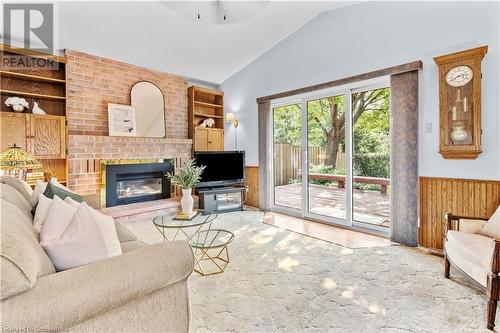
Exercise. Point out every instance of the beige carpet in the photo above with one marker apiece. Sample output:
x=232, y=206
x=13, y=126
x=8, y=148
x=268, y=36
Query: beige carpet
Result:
x=281, y=281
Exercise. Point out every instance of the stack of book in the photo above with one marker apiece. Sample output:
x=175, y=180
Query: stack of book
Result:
x=183, y=216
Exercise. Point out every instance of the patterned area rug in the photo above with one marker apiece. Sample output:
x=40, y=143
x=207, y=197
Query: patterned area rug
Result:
x=281, y=281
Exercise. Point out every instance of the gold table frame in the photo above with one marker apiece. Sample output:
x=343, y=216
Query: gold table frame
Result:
x=206, y=252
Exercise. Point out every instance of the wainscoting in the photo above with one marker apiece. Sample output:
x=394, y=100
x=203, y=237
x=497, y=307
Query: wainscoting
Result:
x=252, y=182
x=466, y=197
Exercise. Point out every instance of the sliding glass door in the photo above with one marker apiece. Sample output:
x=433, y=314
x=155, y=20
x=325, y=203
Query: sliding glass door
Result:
x=287, y=159
x=331, y=157
x=326, y=191
x=371, y=157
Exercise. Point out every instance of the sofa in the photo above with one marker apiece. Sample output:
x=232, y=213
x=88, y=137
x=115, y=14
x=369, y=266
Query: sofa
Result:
x=143, y=290
x=475, y=255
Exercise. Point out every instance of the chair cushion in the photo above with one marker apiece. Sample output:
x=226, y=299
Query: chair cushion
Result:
x=476, y=248
x=492, y=227
x=21, y=257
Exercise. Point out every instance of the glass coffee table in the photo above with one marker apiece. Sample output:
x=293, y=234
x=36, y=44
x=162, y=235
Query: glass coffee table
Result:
x=210, y=250
x=183, y=228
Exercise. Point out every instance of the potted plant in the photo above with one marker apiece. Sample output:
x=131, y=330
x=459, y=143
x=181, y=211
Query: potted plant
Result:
x=188, y=176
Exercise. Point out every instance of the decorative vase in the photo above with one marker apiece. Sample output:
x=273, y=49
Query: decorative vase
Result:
x=187, y=201
x=458, y=135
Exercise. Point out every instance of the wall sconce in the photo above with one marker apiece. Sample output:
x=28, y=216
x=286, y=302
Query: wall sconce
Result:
x=231, y=119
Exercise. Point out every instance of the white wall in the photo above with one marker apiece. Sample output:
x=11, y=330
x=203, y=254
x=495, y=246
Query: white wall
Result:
x=375, y=35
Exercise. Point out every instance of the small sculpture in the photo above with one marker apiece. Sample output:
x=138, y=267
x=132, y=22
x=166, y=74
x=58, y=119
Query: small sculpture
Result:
x=36, y=109
x=210, y=122
x=18, y=104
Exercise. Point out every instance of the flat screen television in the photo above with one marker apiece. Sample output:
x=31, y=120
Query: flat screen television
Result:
x=222, y=168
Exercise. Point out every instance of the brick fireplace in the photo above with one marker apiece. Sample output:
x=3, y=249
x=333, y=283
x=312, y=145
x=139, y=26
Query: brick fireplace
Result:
x=92, y=83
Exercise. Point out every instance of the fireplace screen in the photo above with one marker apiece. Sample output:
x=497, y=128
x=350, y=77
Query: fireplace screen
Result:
x=130, y=188
x=132, y=183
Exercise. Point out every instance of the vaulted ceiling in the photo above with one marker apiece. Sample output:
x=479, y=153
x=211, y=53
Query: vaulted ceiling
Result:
x=152, y=35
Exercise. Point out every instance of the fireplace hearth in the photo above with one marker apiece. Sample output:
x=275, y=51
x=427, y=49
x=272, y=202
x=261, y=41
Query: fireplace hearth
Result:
x=132, y=183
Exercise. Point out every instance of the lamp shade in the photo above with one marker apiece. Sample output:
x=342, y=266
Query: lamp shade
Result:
x=229, y=116
x=16, y=158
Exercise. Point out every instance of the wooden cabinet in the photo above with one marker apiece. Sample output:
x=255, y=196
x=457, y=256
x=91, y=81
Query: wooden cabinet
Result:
x=48, y=136
x=13, y=130
x=43, y=136
x=206, y=104
x=208, y=139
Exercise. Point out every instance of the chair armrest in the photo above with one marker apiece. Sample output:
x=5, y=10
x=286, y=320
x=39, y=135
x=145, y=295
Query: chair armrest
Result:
x=67, y=298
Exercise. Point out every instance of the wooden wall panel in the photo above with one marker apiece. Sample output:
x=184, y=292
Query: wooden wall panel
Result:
x=467, y=197
x=252, y=183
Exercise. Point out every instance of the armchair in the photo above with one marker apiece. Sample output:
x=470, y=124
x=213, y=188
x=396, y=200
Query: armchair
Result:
x=475, y=255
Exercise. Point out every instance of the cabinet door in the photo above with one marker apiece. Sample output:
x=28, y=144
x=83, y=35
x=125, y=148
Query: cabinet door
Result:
x=200, y=139
x=12, y=130
x=48, y=137
x=215, y=140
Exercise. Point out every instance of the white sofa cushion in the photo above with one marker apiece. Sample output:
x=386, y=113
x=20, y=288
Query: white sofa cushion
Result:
x=492, y=227
x=20, y=185
x=12, y=195
x=79, y=243
x=22, y=259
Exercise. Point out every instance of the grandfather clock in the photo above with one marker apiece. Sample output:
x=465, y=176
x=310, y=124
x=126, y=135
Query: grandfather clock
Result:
x=460, y=103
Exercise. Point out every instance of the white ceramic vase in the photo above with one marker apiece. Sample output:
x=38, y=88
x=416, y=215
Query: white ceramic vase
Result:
x=187, y=201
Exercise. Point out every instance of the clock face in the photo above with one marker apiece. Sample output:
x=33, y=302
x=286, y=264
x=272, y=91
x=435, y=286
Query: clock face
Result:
x=459, y=76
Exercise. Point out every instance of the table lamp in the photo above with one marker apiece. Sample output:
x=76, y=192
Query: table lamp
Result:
x=17, y=160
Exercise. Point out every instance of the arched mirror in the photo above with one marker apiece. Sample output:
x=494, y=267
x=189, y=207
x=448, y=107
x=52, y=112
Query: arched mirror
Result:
x=148, y=101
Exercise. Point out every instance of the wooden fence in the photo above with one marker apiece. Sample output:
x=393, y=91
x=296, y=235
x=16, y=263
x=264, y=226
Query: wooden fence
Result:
x=288, y=161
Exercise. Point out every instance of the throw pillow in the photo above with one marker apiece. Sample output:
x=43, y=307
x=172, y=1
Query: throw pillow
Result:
x=80, y=242
x=107, y=228
x=492, y=227
x=37, y=191
x=42, y=209
x=53, y=190
x=57, y=220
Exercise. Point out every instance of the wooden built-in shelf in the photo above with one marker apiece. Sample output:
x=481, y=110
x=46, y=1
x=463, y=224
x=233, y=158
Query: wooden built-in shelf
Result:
x=29, y=94
x=43, y=136
x=208, y=105
x=199, y=114
x=205, y=103
x=30, y=77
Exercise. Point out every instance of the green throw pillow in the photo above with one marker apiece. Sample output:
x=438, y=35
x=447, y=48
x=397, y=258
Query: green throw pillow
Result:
x=53, y=190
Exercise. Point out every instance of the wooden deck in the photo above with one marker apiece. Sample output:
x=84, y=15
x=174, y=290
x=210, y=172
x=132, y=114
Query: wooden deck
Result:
x=370, y=207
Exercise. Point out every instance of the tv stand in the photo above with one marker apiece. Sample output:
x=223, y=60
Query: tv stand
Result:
x=221, y=199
